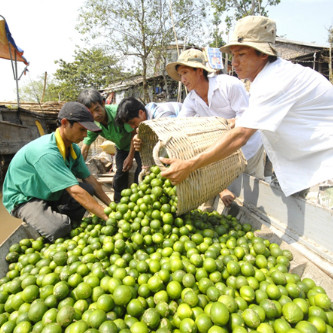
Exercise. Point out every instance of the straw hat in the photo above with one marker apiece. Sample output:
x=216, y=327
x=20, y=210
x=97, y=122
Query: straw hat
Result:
x=192, y=58
x=254, y=31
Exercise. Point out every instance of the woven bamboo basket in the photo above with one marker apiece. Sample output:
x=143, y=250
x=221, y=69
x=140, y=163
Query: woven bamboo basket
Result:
x=184, y=138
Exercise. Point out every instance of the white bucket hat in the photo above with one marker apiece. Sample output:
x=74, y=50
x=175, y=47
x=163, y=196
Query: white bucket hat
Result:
x=258, y=32
x=192, y=58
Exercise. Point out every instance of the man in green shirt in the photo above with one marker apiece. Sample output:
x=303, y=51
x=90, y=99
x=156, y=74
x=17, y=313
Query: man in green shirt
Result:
x=41, y=185
x=104, y=116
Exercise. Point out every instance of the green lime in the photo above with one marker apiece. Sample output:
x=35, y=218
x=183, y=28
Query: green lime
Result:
x=22, y=327
x=247, y=293
x=79, y=326
x=323, y=301
x=37, y=310
x=30, y=293
x=61, y=290
x=265, y=328
x=122, y=295
x=251, y=318
x=135, y=308
x=50, y=316
x=203, y=323
x=292, y=313
x=108, y=326
x=280, y=325
x=219, y=313
x=273, y=291
x=52, y=328
x=96, y=318
x=270, y=309
x=190, y=298
x=188, y=325
x=319, y=323
x=306, y=327
x=139, y=327
x=151, y=318
x=65, y=315
x=184, y=311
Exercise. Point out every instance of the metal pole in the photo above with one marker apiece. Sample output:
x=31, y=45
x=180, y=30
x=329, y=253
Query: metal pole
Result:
x=17, y=85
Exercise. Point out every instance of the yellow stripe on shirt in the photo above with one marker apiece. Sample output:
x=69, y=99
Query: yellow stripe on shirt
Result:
x=61, y=146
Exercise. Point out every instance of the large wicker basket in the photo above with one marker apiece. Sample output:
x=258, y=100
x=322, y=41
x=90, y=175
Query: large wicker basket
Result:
x=184, y=138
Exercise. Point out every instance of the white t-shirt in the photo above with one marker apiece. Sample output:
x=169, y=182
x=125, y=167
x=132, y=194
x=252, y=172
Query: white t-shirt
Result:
x=167, y=109
x=227, y=98
x=292, y=106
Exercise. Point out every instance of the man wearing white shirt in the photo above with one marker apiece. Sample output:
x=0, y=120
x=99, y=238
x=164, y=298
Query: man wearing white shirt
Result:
x=220, y=96
x=291, y=105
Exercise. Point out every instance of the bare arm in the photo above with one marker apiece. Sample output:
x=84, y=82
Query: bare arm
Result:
x=84, y=151
x=86, y=201
x=100, y=194
x=179, y=170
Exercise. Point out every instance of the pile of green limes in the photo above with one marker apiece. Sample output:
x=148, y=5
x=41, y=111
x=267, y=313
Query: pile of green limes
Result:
x=147, y=270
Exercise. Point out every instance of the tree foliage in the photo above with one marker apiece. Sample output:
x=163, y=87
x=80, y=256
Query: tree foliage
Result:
x=90, y=68
x=237, y=9
x=140, y=28
x=34, y=91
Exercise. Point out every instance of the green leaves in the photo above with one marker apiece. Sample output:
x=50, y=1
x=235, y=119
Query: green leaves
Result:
x=142, y=29
x=90, y=68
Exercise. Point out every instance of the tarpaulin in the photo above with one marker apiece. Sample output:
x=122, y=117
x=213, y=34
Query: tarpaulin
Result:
x=8, y=48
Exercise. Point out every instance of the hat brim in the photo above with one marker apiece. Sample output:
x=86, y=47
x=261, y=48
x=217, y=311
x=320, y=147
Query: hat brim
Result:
x=172, y=72
x=266, y=48
x=90, y=126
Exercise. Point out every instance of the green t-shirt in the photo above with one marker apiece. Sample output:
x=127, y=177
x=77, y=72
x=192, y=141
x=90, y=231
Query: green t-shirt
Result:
x=38, y=170
x=120, y=135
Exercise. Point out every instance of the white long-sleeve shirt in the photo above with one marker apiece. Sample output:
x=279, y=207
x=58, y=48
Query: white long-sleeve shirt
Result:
x=292, y=106
x=227, y=98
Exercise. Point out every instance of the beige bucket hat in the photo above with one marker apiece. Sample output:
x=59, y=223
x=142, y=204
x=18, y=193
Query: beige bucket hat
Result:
x=258, y=32
x=192, y=58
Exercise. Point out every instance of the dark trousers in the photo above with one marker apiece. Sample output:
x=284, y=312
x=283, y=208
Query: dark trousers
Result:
x=120, y=179
x=69, y=206
x=53, y=219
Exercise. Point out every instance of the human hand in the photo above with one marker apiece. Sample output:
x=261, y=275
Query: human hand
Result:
x=231, y=122
x=178, y=170
x=137, y=142
x=128, y=162
x=227, y=197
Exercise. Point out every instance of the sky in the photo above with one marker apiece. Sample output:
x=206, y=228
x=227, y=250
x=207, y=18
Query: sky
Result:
x=45, y=30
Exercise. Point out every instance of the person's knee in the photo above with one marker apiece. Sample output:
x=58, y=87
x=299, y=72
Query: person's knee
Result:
x=47, y=222
x=60, y=230
x=52, y=231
